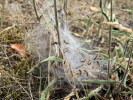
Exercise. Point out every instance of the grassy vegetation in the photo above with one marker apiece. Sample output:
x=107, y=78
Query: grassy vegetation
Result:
x=107, y=25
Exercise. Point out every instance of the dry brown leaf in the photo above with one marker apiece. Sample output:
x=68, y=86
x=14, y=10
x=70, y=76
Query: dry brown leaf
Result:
x=19, y=48
x=94, y=9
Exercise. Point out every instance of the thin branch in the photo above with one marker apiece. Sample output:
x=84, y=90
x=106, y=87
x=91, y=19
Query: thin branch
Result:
x=57, y=26
x=34, y=5
x=56, y=20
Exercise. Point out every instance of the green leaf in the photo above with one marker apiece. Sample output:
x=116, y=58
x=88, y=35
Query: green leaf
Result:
x=103, y=60
x=56, y=27
x=89, y=21
x=118, y=40
x=104, y=54
x=117, y=32
x=126, y=10
x=45, y=92
x=129, y=92
x=42, y=62
x=88, y=41
x=125, y=80
x=121, y=50
x=101, y=81
x=92, y=93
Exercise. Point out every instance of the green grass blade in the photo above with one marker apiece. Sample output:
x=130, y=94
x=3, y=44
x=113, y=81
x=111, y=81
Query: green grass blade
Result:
x=118, y=40
x=125, y=80
x=104, y=54
x=101, y=81
x=126, y=10
x=92, y=93
x=129, y=92
x=45, y=92
x=103, y=60
x=120, y=33
x=42, y=62
x=89, y=21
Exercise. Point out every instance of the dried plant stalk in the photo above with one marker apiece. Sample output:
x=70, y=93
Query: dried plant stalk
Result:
x=119, y=26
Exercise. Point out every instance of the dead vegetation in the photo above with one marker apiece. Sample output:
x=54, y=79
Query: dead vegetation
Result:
x=86, y=21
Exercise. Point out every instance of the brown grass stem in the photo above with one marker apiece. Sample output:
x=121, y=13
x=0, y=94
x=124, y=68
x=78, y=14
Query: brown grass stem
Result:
x=35, y=9
x=57, y=26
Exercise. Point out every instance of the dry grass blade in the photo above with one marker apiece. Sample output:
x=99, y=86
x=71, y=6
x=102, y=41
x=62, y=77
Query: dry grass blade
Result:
x=94, y=9
x=101, y=81
x=8, y=28
x=49, y=67
x=119, y=26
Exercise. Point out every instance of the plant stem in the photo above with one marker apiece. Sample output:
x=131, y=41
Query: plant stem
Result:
x=132, y=13
x=57, y=26
x=34, y=5
x=109, y=51
x=49, y=65
x=101, y=19
x=2, y=15
x=110, y=40
x=40, y=87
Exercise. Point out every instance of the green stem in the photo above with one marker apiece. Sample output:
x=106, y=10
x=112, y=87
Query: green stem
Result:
x=109, y=51
x=110, y=40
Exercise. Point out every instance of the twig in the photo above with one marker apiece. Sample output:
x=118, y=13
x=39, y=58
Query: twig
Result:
x=8, y=28
x=56, y=20
x=57, y=26
x=34, y=5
